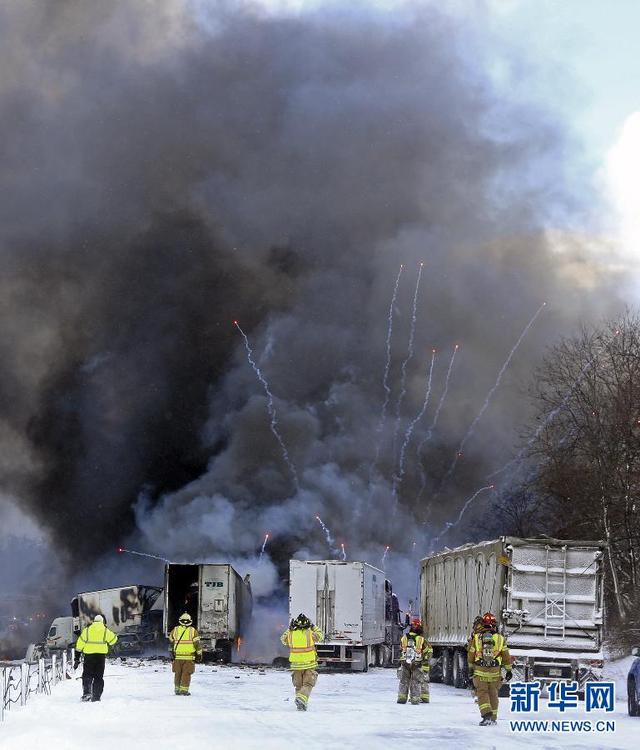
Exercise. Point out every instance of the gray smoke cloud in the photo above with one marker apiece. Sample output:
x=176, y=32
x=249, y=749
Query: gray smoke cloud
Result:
x=169, y=168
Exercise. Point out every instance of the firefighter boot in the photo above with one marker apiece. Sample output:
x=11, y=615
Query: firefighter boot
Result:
x=487, y=720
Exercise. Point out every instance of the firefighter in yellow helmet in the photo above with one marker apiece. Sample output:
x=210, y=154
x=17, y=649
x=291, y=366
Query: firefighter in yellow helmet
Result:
x=414, y=665
x=487, y=655
x=301, y=638
x=185, y=650
x=94, y=642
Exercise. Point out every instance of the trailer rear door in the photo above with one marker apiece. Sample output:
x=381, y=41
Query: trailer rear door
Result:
x=553, y=597
x=214, y=600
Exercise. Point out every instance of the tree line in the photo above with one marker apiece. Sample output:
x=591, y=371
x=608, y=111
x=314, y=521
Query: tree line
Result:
x=577, y=475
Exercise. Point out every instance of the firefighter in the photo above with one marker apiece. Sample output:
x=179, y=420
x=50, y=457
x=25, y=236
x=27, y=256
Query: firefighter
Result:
x=414, y=665
x=94, y=642
x=301, y=638
x=185, y=650
x=487, y=656
x=475, y=628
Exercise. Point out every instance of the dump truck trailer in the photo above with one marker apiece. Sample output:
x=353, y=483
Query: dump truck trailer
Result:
x=547, y=595
x=354, y=606
x=218, y=600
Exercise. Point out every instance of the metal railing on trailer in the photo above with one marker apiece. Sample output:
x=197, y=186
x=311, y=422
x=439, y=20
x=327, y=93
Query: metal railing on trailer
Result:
x=18, y=682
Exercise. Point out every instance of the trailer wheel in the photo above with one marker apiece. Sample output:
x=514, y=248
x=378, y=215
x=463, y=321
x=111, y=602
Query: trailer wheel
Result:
x=386, y=656
x=447, y=666
x=460, y=674
x=360, y=661
x=226, y=652
x=435, y=673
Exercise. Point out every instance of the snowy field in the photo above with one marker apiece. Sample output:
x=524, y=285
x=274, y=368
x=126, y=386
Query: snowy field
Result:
x=244, y=707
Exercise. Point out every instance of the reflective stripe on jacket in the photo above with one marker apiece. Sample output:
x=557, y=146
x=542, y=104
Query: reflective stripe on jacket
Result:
x=422, y=648
x=96, y=639
x=302, y=647
x=185, y=642
x=500, y=653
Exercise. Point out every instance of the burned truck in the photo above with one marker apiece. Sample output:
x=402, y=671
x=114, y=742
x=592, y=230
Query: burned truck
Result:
x=217, y=598
x=134, y=611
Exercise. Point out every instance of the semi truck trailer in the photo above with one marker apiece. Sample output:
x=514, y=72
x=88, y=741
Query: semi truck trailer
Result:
x=547, y=595
x=354, y=606
x=217, y=598
x=134, y=609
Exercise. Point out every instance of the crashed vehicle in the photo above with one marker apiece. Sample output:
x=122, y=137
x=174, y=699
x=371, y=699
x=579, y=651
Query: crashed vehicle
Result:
x=633, y=684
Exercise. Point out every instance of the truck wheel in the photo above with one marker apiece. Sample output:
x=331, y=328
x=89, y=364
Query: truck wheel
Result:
x=361, y=662
x=226, y=652
x=447, y=666
x=387, y=656
x=460, y=674
x=435, y=673
x=632, y=695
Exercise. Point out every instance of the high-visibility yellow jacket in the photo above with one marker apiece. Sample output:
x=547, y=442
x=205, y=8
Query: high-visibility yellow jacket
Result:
x=185, y=642
x=96, y=639
x=422, y=648
x=302, y=647
x=488, y=669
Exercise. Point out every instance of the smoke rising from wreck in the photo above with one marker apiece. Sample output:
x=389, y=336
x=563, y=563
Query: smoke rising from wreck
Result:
x=168, y=172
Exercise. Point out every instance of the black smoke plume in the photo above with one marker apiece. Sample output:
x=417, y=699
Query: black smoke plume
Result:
x=168, y=168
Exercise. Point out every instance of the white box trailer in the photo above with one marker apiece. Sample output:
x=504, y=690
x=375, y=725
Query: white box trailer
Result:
x=218, y=600
x=354, y=606
x=547, y=595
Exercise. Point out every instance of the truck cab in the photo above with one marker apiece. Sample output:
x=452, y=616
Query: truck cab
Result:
x=62, y=633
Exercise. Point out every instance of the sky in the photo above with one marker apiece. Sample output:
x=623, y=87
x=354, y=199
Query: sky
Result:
x=587, y=68
x=593, y=46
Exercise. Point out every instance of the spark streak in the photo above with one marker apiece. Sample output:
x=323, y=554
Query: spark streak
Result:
x=452, y=524
x=385, y=377
x=549, y=418
x=344, y=553
x=384, y=555
x=270, y=408
x=418, y=417
x=493, y=389
x=264, y=544
x=122, y=550
x=432, y=426
x=405, y=362
x=327, y=533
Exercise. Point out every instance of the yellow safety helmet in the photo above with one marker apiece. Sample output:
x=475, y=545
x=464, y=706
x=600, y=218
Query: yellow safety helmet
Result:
x=185, y=619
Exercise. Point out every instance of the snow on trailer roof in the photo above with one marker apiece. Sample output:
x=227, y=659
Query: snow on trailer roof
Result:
x=518, y=542
x=338, y=562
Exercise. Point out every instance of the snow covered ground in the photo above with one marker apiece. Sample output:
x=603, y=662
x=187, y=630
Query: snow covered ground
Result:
x=245, y=708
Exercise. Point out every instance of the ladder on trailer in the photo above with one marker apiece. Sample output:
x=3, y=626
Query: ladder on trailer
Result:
x=555, y=593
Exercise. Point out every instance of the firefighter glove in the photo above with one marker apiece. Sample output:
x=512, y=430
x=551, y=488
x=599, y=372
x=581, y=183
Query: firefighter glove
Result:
x=508, y=675
x=199, y=658
x=76, y=661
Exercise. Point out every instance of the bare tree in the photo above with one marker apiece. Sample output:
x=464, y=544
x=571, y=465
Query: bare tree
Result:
x=586, y=445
